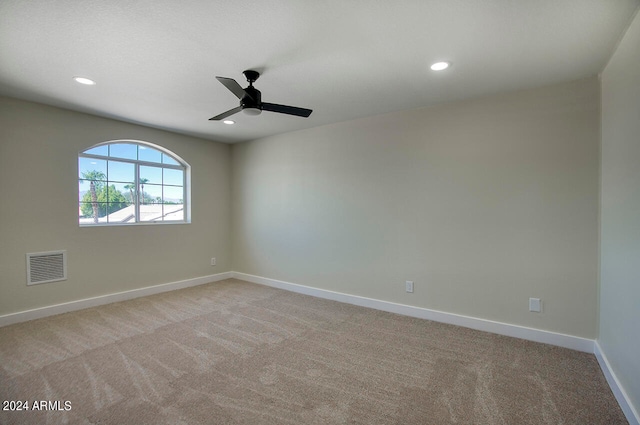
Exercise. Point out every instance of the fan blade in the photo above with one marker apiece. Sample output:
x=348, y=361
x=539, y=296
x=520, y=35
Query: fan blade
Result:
x=233, y=86
x=284, y=109
x=226, y=114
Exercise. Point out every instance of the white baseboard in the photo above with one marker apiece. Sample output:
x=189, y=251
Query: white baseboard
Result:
x=37, y=313
x=537, y=335
x=618, y=391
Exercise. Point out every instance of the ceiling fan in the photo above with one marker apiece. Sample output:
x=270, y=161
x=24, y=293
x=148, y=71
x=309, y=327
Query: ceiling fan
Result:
x=251, y=100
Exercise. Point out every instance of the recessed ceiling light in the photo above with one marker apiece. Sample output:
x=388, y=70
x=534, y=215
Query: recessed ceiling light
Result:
x=229, y=122
x=439, y=66
x=83, y=80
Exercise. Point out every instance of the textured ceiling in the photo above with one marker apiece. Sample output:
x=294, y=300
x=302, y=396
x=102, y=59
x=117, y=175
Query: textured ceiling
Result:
x=155, y=61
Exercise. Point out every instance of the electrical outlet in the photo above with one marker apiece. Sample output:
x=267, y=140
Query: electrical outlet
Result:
x=408, y=285
x=535, y=305
x=213, y=261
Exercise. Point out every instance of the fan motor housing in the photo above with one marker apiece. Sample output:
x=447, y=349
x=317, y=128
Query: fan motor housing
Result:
x=253, y=98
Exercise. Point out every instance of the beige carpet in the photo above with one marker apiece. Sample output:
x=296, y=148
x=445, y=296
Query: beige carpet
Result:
x=237, y=353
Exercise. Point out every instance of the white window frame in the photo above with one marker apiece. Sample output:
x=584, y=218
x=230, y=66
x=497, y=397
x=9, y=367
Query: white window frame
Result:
x=182, y=165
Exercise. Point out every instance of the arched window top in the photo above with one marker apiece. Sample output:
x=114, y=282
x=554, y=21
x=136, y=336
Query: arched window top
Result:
x=132, y=182
x=135, y=150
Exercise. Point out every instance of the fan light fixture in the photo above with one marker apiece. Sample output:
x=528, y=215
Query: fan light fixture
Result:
x=439, y=66
x=85, y=81
x=229, y=122
x=252, y=111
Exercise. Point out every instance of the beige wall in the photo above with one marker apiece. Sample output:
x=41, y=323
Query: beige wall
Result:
x=482, y=203
x=619, y=337
x=38, y=212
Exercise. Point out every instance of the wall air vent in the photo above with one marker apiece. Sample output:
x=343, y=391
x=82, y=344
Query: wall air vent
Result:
x=45, y=267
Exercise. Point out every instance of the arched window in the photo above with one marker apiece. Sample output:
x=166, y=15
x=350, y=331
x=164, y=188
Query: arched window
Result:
x=132, y=182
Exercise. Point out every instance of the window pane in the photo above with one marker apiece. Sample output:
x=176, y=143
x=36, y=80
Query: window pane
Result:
x=84, y=194
x=85, y=212
x=124, y=192
x=166, y=159
x=173, y=177
x=173, y=194
x=85, y=190
x=128, y=190
x=150, y=175
x=148, y=154
x=173, y=212
x=99, y=150
x=89, y=168
x=152, y=194
x=120, y=213
x=121, y=171
x=151, y=212
x=114, y=207
x=123, y=216
x=123, y=150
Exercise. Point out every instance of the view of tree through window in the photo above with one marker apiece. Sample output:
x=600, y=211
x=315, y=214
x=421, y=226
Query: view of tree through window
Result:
x=127, y=182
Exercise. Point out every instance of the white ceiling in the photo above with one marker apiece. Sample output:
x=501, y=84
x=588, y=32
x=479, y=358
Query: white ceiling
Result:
x=155, y=61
